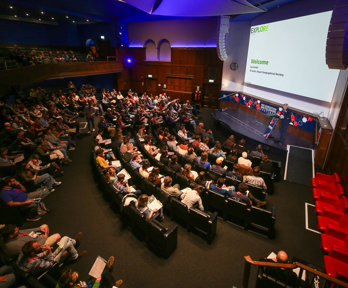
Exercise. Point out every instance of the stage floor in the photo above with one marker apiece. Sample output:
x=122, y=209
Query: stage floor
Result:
x=253, y=128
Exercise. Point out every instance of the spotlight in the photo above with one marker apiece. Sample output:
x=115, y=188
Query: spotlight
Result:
x=87, y=20
x=67, y=17
x=102, y=37
x=39, y=19
x=73, y=21
x=11, y=7
x=129, y=60
x=42, y=12
x=26, y=14
x=52, y=18
x=15, y=16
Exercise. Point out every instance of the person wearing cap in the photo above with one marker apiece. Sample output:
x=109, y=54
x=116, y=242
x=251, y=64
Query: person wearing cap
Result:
x=218, y=166
x=244, y=160
x=285, y=117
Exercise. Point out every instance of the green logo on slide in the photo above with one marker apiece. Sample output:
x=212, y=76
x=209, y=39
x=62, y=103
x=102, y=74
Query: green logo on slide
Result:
x=262, y=28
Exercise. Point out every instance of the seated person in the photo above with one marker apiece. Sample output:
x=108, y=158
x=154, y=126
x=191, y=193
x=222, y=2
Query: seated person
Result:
x=151, y=149
x=204, y=145
x=187, y=173
x=230, y=143
x=203, y=160
x=7, y=277
x=35, y=259
x=182, y=133
x=14, y=194
x=154, y=177
x=217, y=151
x=243, y=195
x=15, y=238
x=218, y=166
x=235, y=174
x=122, y=186
x=142, y=206
x=126, y=146
x=100, y=138
x=191, y=155
x=109, y=155
x=135, y=161
x=287, y=276
x=256, y=180
x=144, y=169
x=192, y=197
x=172, y=190
x=171, y=143
x=174, y=165
x=164, y=156
x=101, y=160
x=221, y=188
x=111, y=175
x=241, y=146
x=103, y=125
x=266, y=165
x=199, y=128
x=201, y=179
x=258, y=153
x=244, y=160
x=196, y=142
x=183, y=147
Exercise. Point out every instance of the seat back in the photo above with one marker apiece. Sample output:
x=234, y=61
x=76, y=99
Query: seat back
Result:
x=216, y=202
x=342, y=204
x=203, y=222
x=179, y=210
x=343, y=221
x=267, y=177
x=257, y=192
x=237, y=212
x=262, y=220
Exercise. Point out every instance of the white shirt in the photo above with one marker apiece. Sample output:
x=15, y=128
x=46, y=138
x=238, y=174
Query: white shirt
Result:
x=191, y=197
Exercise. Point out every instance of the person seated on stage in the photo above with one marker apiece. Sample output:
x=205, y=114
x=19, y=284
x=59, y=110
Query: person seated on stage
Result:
x=174, y=165
x=256, y=179
x=204, y=145
x=221, y=188
x=187, y=173
x=287, y=276
x=196, y=142
x=258, y=153
x=183, y=148
x=191, y=155
x=142, y=206
x=171, y=143
x=35, y=259
x=217, y=151
x=218, y=166
x=243, y=160
x=69, y=278
x=230, y=143
x=203, y=160
x=143, y=170
x=154, y=177
x=182, y=133
x=191, y=197
x=172, y=190
x=235, y=174
x=135, y=161
x=14, y=238
x=241, y=146
x=111, y=175
x=266, y=165
x=244, y=195
x=200, y=129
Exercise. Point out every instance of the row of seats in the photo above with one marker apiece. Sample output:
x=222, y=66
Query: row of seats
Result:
x=331, y=206
x=161, y=240
x=258, y=219
x=192, y=218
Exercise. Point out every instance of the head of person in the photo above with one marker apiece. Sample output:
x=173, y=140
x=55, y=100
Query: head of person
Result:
x=256, y=171
x=242, y=188
x=121, y=177
x=187, y=167
x=100, y=152
x=282, y=257
x=198, y=188
x=31, y=248
x=245, y=155
x=68, y=279
x=112, y=171
x=236, y=168
x=206, y=140
x=265, y=158
x=201, y=124
x=285, y=106
x=142, y=200
x=242, y=142
x=167, y=181
x=155, y=171
x=220, y=182
x=10, y=231
x=219, y=161
x=146, y=164
x=231, y=138
x=204, y=157
x=259, y=148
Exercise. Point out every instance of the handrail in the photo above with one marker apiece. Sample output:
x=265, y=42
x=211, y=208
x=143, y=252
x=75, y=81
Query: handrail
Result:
x=249, y=261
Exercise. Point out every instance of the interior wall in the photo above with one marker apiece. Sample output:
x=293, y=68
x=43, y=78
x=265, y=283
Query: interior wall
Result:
x=17, y=32
x=194, y=32
x=237, y=46
x=94, y=31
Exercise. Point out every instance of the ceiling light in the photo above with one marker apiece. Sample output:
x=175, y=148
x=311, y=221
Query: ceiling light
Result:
x=87, y=20
x=42, y=12
x=120, y=33
x=15, y=16
x=67, y=17
x=11, y=7
x=26, y=14
x=73, y=21
x=52, y=18
x=39, y=19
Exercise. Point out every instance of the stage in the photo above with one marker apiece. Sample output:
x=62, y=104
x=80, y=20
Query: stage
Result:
x=253, y=128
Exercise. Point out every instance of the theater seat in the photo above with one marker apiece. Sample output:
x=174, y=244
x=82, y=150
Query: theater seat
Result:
x=334, y=236
x=327, y=178
x=336, y=268
x=336, y=191
x=339, y=204
x=329, y=217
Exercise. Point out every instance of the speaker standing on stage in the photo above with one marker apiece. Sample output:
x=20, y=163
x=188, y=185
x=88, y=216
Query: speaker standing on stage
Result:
x=285, y=117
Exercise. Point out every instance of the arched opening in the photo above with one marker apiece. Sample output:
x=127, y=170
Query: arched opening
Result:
x=164, y=50
x=150, y=50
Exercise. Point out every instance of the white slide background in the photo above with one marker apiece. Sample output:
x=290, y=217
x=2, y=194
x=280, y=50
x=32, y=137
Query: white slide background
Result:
x=296, y=49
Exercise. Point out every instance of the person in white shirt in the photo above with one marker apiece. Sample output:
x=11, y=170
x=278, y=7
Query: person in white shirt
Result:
x=244, y=161
x=191, y=197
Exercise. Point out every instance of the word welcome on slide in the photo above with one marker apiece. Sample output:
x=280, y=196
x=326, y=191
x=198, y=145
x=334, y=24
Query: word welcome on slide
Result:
x=256, y=61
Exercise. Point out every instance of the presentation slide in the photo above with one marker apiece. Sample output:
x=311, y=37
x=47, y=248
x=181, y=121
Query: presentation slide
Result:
x=289, y=56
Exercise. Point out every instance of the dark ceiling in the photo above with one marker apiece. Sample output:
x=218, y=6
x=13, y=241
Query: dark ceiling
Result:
x=94, y=11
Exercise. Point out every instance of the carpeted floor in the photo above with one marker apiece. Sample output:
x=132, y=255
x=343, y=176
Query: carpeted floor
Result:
x=78, y=205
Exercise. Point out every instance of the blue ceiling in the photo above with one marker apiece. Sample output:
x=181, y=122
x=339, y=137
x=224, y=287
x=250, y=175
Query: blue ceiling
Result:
x=93, y=11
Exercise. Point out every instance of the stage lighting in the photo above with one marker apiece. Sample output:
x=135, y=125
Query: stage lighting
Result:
x=129, y=60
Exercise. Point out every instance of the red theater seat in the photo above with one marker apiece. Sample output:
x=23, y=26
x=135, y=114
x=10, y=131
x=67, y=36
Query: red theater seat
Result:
x=331, y=217
x=339, y=204
x=334, y=266
x=335, y=191
x=334, y=236
x=327, y=178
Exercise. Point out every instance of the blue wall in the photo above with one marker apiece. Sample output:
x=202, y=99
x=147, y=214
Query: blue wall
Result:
x=94, y=31
x=41, y=34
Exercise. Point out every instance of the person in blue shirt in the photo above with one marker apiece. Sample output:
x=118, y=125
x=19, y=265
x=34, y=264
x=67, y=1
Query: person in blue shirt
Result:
x=221, y=188
x=203, y=160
